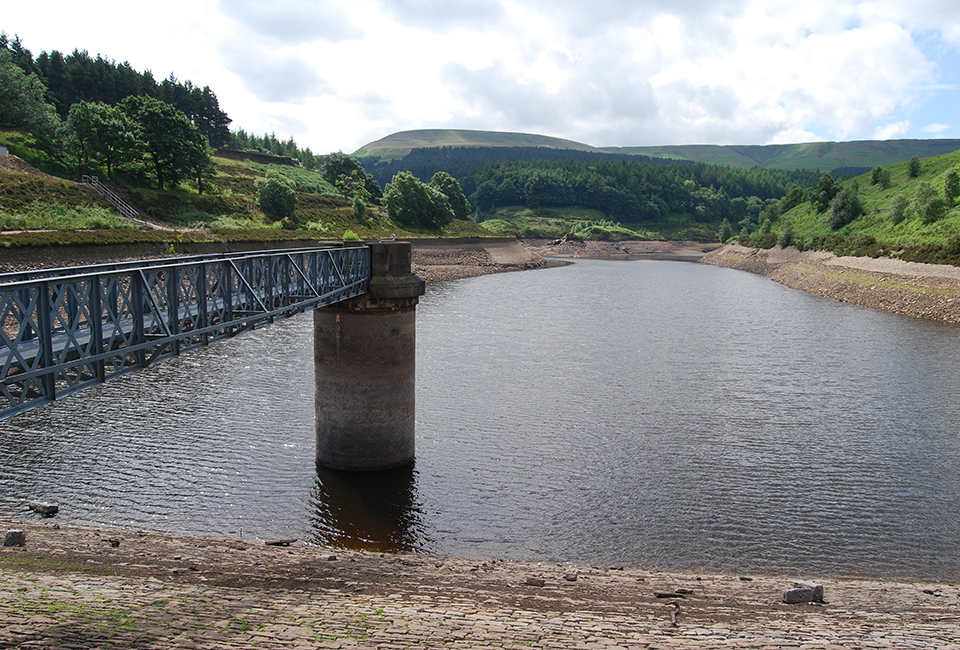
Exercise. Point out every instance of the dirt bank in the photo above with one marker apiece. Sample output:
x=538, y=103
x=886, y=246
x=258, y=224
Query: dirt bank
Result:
x=84, y=587
x=624, y=250
x=438, y=261
x=930, y=291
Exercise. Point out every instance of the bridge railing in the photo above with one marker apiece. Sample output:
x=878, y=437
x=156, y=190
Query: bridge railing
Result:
x=61, y=333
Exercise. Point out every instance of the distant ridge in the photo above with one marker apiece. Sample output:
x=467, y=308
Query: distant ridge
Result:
x=825, y=156
x=400, y=144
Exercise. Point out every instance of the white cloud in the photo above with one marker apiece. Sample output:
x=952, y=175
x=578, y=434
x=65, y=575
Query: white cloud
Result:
x=935, y=128
x=610, y=72
x=893, y=130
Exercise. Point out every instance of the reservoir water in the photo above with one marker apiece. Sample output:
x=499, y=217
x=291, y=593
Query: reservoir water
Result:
x=661, y=414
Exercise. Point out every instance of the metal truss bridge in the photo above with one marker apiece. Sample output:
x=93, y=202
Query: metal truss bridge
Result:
x=63, y=330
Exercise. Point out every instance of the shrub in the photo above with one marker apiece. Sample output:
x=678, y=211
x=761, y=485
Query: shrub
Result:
x=899, y=208
x=844, y=208
x=913, y=168
x=349, y=235
x=276, y=196
x=929, y=204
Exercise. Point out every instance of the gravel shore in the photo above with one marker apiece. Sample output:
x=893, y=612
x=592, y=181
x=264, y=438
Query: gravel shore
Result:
x=930, y=291
x=81, y=587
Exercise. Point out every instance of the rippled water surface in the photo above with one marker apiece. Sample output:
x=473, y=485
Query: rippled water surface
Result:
x=664, y=414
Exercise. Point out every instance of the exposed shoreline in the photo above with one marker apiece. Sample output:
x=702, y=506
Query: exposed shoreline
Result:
x=83, y=587
x=930, y=291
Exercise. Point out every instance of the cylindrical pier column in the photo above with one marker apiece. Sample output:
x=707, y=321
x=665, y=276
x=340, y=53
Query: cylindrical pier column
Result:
x=365, y=368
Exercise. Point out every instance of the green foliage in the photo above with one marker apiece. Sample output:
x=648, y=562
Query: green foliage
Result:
x=951, y=187
x=22, y=101
x=268, y=144
x=928, y=203
x=359, y=210
x=410, y=203
x=795, y=196
x=100, y=135
x=899, y=209
x=349, y=235
x=306, y=180
x=172, y=144
x=880, y=176
x=449, y=186
x=827, y=188
x=844, y=208
x=41, y=215
x=276, y=196
x=785, y=238
x=913, y=167
x=726, y=231
x=347, y=174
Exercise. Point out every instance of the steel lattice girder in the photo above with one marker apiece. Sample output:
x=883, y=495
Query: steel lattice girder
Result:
x=61, y=333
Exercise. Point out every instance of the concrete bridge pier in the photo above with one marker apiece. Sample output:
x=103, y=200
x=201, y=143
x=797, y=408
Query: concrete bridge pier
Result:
x=365, y=368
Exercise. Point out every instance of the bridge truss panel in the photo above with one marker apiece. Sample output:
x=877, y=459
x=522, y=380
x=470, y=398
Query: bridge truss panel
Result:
x=62, y=333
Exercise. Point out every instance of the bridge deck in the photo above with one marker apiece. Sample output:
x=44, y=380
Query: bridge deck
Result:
x=62, y=330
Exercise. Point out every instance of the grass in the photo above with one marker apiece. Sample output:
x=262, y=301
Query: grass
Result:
x=41, y=215
x=873, y=234
x=555, y=223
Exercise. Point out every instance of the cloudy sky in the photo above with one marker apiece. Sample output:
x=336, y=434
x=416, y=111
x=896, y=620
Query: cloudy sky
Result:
x=338, y=74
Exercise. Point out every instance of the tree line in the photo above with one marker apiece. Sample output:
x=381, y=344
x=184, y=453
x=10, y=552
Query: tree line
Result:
x=461, y=162
x=634, y=192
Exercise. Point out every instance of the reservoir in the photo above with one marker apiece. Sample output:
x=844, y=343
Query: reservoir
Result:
x=661, y=414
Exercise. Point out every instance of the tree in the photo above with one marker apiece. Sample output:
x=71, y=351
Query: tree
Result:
x=793, y=198
x=913, y=167
x=726, y=231
x=100, y=134
x=276, y=195
x=844, y=208
x=929, y=204
x=22, y=103
x=449, y=186
x=951, y=187
x=411, y=203
x=827, y=188
x=166, y=135
x=880, y=176
x=343, y=170
x=486, y=195
x=899, y=208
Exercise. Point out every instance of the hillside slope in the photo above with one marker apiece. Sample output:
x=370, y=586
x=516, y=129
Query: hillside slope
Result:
x=823, y=156
x=398, y=145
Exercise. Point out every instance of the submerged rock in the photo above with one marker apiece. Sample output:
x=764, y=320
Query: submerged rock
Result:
x=44, y=508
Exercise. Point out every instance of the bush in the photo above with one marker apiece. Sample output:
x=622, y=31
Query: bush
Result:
x=276, y=196
x=349, y=235
x=913, y=168
x=844, y=208
x=929, y=204
x=899, y=209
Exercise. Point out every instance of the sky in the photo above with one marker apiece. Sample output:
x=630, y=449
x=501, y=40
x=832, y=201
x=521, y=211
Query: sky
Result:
x=336, y=75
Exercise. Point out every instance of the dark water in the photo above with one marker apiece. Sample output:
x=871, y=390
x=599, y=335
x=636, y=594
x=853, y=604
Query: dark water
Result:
x=664, y=414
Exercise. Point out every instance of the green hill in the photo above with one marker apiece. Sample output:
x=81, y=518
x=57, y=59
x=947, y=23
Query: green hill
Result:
x=400, y=144
x=825, y=156
x=915, y=234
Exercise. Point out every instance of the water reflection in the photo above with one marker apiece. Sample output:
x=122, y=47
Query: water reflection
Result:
x=373, y=511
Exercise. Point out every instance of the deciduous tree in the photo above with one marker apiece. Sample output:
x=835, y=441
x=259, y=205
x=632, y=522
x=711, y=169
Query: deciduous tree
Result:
x=411, y=203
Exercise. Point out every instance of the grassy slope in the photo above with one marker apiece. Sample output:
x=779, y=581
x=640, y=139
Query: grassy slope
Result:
x=825, y=156
x=555, y=223
x=873, y=233
x=399, y=145
x=225, y=212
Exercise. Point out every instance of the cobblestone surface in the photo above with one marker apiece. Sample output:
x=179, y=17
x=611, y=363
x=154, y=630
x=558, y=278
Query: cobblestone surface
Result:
x=70, y=588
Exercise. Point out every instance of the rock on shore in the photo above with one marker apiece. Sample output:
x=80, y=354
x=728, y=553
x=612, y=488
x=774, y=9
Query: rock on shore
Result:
x=74, y=587
x=930, y=291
